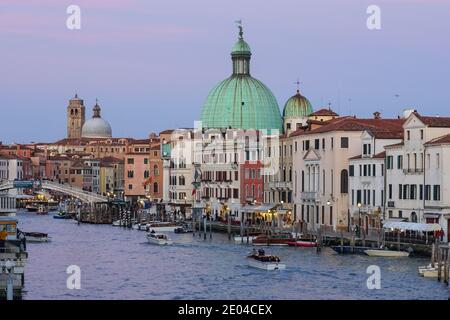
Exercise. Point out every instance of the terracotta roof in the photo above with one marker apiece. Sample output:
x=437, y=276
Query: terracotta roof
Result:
x=437, y=122
x=385, y=128
x=111, y=160
x=439, y=140
x=324, y=112
x=167, y=131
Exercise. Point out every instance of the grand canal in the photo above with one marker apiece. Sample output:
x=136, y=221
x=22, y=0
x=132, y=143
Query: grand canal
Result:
x=119, y=264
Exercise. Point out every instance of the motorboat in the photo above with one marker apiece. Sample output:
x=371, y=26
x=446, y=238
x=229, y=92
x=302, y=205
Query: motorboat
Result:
x=430, y=271
x=305, y=244
x=162, y=226
x=186, y=228
x=36, y=237
x=62, y=215
x=140, y=227
x=159, y=239
x=31, y=208
x=386, y=253
x=273, y=239
x=265, y=262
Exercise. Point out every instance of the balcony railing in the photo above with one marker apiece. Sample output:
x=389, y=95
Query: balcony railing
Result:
x=413, y=171
x=280, y=185
x=309, y=196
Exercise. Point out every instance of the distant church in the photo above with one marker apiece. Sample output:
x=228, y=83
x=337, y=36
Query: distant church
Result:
x=78, y=127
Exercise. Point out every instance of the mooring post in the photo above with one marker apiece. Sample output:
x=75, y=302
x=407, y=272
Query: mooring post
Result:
x=210, y=226
x=229, y=226
x=204, y=227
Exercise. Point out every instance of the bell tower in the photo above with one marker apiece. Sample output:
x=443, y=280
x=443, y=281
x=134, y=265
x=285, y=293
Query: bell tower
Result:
x=76, y=116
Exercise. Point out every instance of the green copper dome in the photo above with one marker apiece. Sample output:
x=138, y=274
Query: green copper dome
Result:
x=241, y=47
x=241, y=101
x=297, y=106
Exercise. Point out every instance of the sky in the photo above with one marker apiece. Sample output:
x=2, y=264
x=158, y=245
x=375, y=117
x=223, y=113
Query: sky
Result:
x=152, y=63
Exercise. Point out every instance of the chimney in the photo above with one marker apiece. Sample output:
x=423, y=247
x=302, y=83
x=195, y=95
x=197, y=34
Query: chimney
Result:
x=377, y=115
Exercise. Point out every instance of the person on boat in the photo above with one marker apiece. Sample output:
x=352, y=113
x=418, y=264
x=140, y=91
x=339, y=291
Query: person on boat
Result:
x=153, y=231
x=261, y=252
x=254, y=252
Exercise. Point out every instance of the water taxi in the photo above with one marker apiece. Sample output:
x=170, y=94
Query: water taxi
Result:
x=186, y=228
x=159, y=239
x=41, y=211
x=265, y=262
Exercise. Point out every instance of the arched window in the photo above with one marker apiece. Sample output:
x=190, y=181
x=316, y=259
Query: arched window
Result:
x=155, y=187
x=155, y=170
x=414, y=217
x=344, y=181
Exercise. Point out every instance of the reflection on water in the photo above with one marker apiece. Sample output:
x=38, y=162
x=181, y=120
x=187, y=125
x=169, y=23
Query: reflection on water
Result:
x=119, y=264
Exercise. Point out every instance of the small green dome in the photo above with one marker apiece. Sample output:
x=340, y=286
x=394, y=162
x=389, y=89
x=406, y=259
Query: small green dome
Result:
x=297, y=106
x=241, y=102
x=241, y=47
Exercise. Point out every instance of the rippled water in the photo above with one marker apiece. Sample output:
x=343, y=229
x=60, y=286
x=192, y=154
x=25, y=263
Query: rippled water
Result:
x=120, y=264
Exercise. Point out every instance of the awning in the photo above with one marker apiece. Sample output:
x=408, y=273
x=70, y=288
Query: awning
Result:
x=426, y=227
x=259, y=208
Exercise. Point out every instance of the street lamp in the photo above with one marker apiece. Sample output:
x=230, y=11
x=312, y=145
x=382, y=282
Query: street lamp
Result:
x=359, y=214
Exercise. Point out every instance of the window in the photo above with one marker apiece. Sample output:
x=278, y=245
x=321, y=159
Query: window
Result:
x=344, y=142
x=332, y=143
x=400, y=162
x=317, y=144
x=390, y=191
x=421, y=134
x=146, y=174
x=288, y=126
x=130, y=187
x=437, y=160
x=307, y=145
x=436, y=192
x=323, y=143
x=351, y=171
x=331, y=216
x=130, y=160
x=389, y=162
x=421, y=192
x=344, y=181
x=408, y=134
x=400, y=191
x=427, y=192
x=155, y=187
x=145, y=160
x=413, y=192
x=130, y=174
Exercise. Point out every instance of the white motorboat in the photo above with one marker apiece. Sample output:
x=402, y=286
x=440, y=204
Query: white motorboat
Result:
x=264, y=262
x=36, y=237
x=159, y=239
x=162, y=226
x=140, y=226
x=386, y=253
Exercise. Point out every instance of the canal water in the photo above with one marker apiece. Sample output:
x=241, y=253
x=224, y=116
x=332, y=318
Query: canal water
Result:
x=119, y=264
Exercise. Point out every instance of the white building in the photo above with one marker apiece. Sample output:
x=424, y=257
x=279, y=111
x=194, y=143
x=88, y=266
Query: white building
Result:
x=367, y=178
x=416, y=172
x=321, y=167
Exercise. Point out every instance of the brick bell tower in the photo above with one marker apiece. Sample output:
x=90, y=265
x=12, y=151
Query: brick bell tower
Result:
x=76, y=116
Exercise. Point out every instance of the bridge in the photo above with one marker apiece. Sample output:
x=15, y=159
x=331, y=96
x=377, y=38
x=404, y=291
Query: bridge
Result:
x=82, y=195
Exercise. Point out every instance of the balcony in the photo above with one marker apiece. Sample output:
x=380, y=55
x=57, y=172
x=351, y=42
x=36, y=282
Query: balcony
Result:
x=280, y=186
x=413, y=171
x=309, y=196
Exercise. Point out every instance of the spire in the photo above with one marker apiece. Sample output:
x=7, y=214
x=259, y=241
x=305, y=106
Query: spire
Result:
x=241, y=32
x=298, y=83
x=96, y=110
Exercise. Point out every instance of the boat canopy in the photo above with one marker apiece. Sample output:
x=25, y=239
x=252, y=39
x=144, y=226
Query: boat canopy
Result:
x=413, y=226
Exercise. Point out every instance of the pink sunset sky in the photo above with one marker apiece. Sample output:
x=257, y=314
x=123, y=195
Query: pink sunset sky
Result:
x=152, y=63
